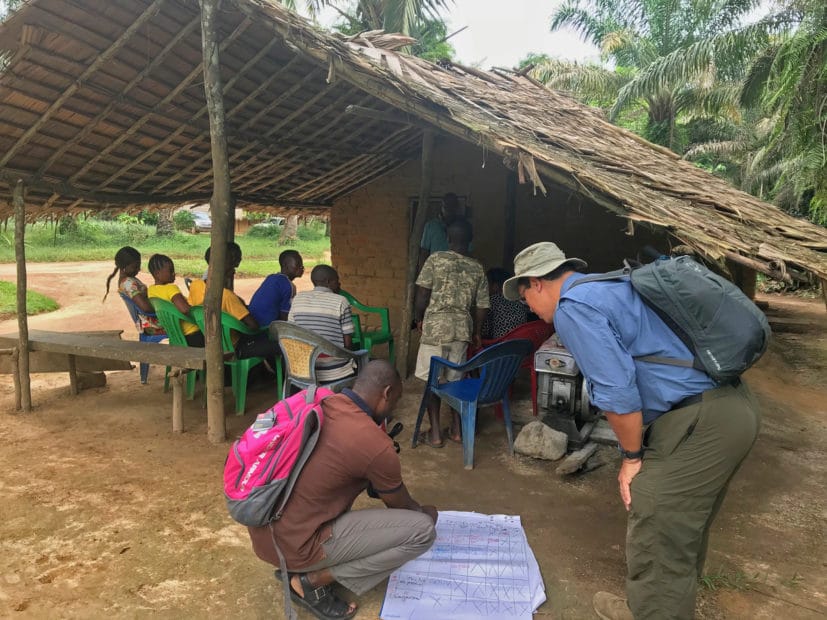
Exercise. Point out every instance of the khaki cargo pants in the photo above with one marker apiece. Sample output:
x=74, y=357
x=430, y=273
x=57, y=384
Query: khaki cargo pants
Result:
x=691, y=455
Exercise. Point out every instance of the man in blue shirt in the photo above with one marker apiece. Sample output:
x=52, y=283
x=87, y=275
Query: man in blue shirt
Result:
x=271, y=302
x=435, y=233
x=673, y=478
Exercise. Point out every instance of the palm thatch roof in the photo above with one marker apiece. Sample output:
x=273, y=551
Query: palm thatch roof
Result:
x=102, y=105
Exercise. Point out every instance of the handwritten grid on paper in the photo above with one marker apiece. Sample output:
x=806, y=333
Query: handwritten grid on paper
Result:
x=477, y=568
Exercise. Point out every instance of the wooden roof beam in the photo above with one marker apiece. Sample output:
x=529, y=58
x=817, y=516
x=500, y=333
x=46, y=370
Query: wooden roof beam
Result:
x=97, y=63
x=185, y=83
x=204, y=134
x=243, y=151
x=272, y=105
x=185, y=31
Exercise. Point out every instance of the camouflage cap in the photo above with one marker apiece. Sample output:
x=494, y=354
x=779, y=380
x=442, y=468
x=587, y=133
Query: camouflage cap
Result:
x=535, y=261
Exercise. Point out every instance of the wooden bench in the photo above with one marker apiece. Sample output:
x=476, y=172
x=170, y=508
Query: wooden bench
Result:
x=84, y=351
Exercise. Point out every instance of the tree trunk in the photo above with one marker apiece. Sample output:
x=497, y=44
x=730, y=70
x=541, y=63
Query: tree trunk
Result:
x=290, y=232
x=164, y=227
x=221, y=212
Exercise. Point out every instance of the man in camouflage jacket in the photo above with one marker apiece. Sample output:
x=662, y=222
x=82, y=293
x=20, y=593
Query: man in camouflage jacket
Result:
x=451, y=305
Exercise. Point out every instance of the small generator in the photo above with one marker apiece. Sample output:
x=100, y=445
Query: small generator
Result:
x=561, y=393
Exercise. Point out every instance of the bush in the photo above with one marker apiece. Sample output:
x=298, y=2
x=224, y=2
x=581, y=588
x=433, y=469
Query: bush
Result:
x=311, y=232
x=183, y=220
x=150, y=218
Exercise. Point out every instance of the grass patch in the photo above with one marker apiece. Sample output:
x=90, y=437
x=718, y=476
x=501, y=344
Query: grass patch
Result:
x=727, y=579
x=35, y=302
x=98, y=240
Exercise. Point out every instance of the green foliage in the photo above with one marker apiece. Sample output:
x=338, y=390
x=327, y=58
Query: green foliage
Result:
x=100, y=240
x=388, y=15
x=729, y=579
x=150, y=218
x=646, y=40
x=431, y=45
x=533, y=59
x=36, y=303
x=183, y=220
x=417, y=18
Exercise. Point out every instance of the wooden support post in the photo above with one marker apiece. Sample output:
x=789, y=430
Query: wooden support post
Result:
x=510, y=218
x=15, y=356
x=824, y=290
x=23, y=377
x=220, y=206
x=74, y=388
x=178, y=400
x=743, y=277
x=413, y=251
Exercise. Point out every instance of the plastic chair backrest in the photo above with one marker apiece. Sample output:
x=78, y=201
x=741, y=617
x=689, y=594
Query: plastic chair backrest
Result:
x=134, y=312
x=498, y=364
x=357, y=305
x=301, y=348
x=228, y=324
x=535, y=331
x=170, y=319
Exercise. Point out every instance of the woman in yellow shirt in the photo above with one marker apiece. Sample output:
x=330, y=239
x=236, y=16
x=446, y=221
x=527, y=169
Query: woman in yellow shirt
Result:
x=163, y=270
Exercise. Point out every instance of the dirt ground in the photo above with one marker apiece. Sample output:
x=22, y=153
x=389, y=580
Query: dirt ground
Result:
x=105, y=513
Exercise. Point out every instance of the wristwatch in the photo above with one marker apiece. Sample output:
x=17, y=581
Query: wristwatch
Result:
x=629, y=455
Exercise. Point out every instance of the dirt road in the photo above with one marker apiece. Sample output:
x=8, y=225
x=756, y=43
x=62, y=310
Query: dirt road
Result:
x=104, y=513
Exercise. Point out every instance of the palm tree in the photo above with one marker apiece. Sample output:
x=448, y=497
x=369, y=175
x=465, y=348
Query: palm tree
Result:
x=636, y=36
x=389, y=15
x=785, y=92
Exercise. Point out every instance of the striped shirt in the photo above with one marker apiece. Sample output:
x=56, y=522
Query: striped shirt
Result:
x=327, y=314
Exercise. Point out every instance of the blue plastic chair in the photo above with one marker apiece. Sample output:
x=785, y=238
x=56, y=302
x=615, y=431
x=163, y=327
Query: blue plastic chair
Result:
x=497, y=365
x=136, y=313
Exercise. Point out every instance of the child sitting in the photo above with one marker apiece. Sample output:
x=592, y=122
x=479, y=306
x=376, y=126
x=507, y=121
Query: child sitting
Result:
x=127, y=266
x=163, y=270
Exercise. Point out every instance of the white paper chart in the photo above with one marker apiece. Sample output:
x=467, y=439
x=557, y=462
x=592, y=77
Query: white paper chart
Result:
x=479, y=567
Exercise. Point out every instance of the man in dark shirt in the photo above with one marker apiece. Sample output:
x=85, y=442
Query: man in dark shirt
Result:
x=271, y=302
x=321, y=538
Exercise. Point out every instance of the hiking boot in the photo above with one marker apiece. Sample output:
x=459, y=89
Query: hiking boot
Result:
x=611, y=607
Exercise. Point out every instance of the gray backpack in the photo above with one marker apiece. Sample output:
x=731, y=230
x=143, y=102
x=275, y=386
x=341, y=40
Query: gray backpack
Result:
x=723, y=328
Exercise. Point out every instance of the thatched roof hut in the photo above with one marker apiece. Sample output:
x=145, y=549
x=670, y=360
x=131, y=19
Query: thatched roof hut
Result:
x=102, y=105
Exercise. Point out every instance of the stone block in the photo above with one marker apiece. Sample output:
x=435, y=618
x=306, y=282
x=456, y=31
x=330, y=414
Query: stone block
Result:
x=541, y=442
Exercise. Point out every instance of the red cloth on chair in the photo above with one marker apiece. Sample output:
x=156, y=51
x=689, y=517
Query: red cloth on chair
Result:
x=535, y=331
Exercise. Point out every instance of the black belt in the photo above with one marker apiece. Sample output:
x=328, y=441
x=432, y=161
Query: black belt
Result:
x=696, y=398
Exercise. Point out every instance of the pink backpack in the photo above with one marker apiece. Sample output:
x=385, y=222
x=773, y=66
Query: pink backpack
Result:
x=266, y=460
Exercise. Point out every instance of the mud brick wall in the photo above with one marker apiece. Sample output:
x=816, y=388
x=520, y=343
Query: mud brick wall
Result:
x=370, y=227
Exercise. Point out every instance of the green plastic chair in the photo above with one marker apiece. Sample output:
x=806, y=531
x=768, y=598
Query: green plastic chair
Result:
x=170, y=319
x=239, y=368
x=367, y=338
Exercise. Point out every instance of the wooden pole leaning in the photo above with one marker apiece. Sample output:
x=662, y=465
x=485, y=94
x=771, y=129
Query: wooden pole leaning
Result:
x=22, y=369
x=220, y=206
x=413, y=250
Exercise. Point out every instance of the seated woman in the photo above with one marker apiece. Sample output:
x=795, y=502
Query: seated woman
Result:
x=246, y=345
x=127, y=266
x=504, y=315
x=163, y=270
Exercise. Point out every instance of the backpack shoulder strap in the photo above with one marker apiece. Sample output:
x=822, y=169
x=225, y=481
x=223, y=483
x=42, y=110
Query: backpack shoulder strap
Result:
x=617, y=274
x=626, y=274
